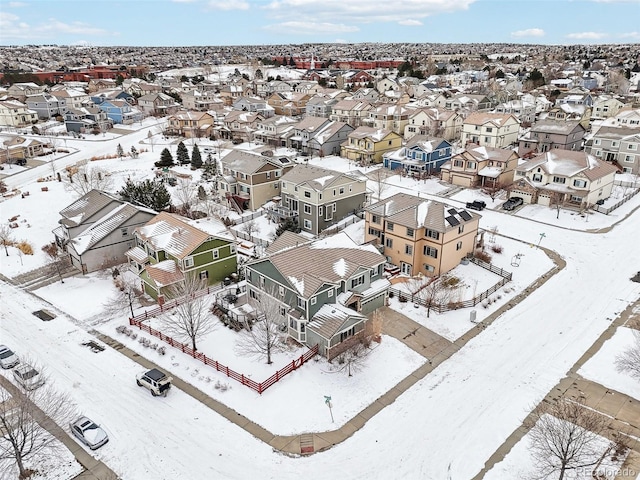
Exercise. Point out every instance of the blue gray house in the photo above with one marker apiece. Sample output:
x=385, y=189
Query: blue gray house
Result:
x=420, y=155
x=120, y=111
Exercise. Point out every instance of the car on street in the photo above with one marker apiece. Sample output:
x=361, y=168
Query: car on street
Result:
x=89, y=433
x=156, y=381
x=477, y=205
x=512, y=203
x=8, y=359
x=28, y=377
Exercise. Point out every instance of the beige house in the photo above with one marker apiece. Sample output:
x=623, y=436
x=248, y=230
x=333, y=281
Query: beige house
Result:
x=606, y=107
x=249, y=181
x=367, y=144
x=16, y=114
x=496, y=130
x=202, y=101
x=20, y=91
x=434, y=122
x=420, y=235
x=390, y=117
x=564, y=177
x=481, y=167
x=353, y=112
x=190, y=124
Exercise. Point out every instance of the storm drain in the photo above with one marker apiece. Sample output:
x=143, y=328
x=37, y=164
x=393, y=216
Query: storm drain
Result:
x=95, y=347
x=44, y=315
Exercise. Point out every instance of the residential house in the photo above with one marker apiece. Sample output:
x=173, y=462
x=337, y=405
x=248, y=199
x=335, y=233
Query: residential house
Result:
x=73, y=98
x=390, y=117
x=20, y=91
x=498, y=130
x=87, y=120
x=202, y=101
x=628, y=117
x=564, y=177
x=318, y=197
x=254, y=105
x=46, y=105
x=576, y=96
x=370, y=95
x=97, y=230
x=291, y=104
x=18, y=148
x=353, y=80
x=240, y=125
x=421, y=236
x=139, y=88
x=480, y=166
x=385, y=84
x=467, y=102
x=367, y=144
x=158, y=104
x=168, y=249
x=421, y=155
x=120, y=111
x=549, y=134
x=567, y=112
x=230, y=93
x=306, y=86
x=605, y=107
x=16, y=114
x=298, y=137
x=320, y=106
x=434, y=122
x=328, y=139
x=249, y=180
x=98, y=84
x=617, y=145
x=324, y=302
x=265, y=89
x=190, y=124
x=521, y=109
x=271, y=131
x=353, y=112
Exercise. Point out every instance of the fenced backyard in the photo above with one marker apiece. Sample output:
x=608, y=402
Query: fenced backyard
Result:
x=610, y=208
x=446, y=307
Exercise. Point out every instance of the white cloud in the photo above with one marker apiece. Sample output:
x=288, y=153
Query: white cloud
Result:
x=363, y=11
x=586, y=36
x=411, y=23
x=311, y=28
x=529, y=32
x=227, y=5
x=13, y=29
x=631, y=35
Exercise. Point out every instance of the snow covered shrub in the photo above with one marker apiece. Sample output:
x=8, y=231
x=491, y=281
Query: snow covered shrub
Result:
x=482, y=255
x=25, y=247
x=162, y=350
x=495, y=248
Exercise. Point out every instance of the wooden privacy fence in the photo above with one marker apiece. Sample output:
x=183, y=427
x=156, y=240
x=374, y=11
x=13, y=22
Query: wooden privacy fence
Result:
x=440, y=308
x=174, y=303
x=239, y=377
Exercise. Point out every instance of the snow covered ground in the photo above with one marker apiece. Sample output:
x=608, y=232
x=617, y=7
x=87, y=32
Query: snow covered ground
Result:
x=447, y=424
x=601, y=368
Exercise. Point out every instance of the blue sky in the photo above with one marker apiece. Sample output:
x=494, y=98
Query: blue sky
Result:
x=250, y=22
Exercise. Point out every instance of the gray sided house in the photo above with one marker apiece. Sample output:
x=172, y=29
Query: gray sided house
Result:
x=168, y=249
x=325, y=301
x=97, y=230
x=319, y=197
x=328, y=139
x=46, y=105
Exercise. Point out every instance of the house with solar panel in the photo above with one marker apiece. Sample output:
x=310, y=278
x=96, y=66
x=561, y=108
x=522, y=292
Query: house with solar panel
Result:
x=420, y=235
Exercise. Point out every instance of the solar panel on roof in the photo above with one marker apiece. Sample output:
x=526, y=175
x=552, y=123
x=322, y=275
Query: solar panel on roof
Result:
x=452, y=211
x=453, y=221
x=465, y=215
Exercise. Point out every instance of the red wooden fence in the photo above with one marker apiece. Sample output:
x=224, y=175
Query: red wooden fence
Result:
x=257, y=386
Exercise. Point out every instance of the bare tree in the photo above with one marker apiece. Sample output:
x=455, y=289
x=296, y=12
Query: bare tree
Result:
x=557, y=199
x=190, y=319
x=629, y=360
x=24, y=420
x=185, y=195
x=6, y=236
x=434, y=292
x=127, y=285
x=56, y=259
x=378, y=176
x=493, y=188
x=265, y=335
x=565, y=436
x=353, y=359
x=250, y=227
x=84, y=178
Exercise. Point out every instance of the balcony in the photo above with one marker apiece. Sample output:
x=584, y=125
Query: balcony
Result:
x=281, y=213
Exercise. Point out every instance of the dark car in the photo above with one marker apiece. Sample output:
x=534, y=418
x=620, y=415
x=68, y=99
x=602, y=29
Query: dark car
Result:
x=477, y=205
x=512, y=203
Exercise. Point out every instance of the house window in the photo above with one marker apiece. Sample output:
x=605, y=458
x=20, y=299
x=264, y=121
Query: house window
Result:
x=579, y=183
x=459, y=246
x=429, y=268
x=307, y=194
x=357, y=281
x=313, y=300
x=432, y=234
x=374, y=232
x=375, y=218
x=489, y=129
x=458, y=163
x=320, y=211
x=409, y=232
x=629, y=158
x=188, y=262
x=204, y=274
x=430, y=251
x=614, y=144
x=347, y=334
x=537, y=177
x=268, y=174
x=307, y=209
x=390, y=226
x=460, y=229
x=330, y=293
x=216, y=254
x=307, y=224
x=631, y=146
x=281, y=291
x=261, y=281
x=253, y=294
x=559, y=179
x=408, y=249
x=301, y=302
x=472, y=165
x=232, y=248
x=388, y=242
x=341, y=190
x=284, y=185
x=351, y=188
x=124, y=231
x=283, y=311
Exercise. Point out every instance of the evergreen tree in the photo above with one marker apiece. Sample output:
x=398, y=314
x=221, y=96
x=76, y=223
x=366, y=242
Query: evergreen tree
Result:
x=166, y=159
x=182, y=154
x=209, y=169
x=202, y=194
x=259, y=74
x=134, y=152
x=119, y=151
x=148, y=193
x=196, y=158
x=290, y=225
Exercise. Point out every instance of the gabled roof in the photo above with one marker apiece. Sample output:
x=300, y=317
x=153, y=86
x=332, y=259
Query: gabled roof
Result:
x=556, y=126
x=483, y=153
x=375, y=134
x=482, y=118
x=426, y=144
x=164, y=273
x=246, y=162
x=336, y=258
x=167, y=232
x=331, y=319
x=317, y=178
x=85, y=207
x=286, y=241
x=569, y=163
